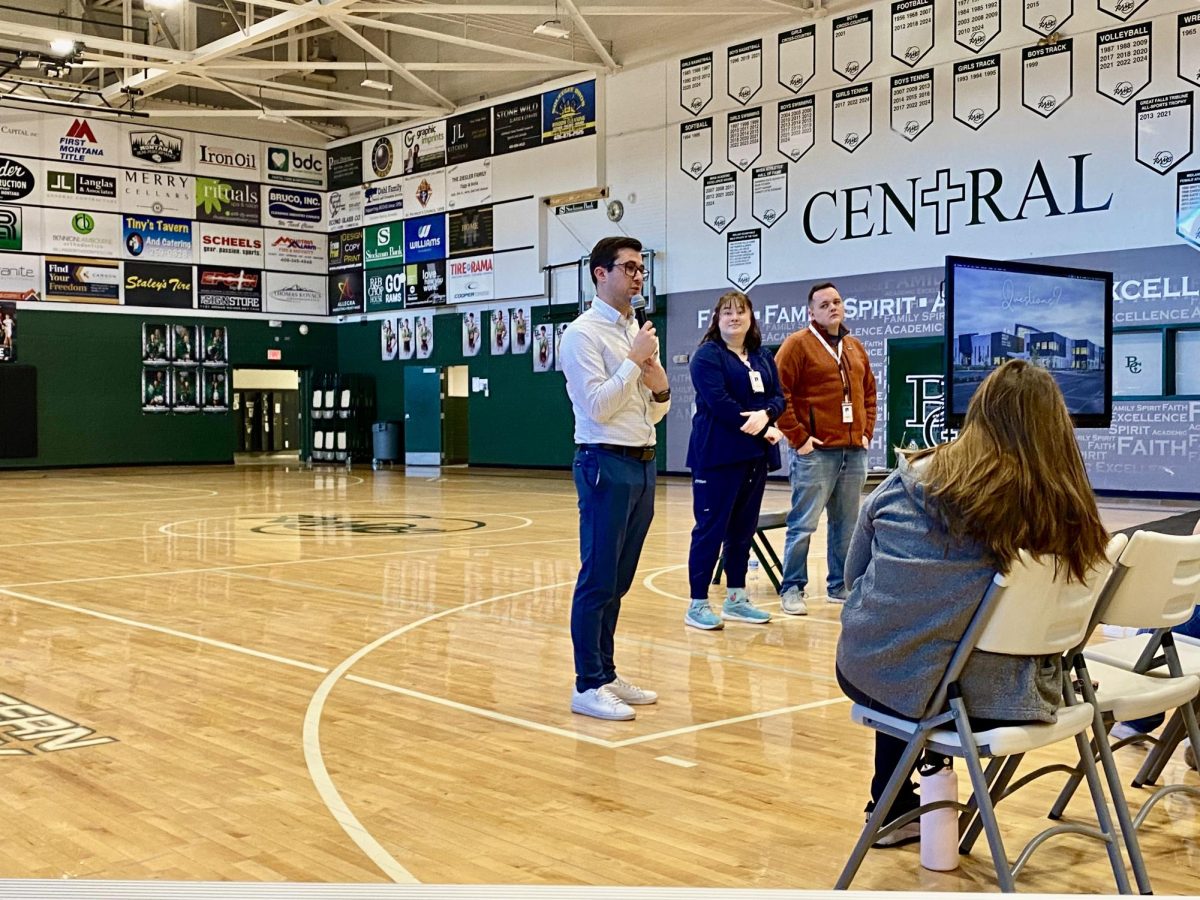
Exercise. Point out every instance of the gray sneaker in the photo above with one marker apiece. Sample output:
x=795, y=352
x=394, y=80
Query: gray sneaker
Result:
x=792, y=602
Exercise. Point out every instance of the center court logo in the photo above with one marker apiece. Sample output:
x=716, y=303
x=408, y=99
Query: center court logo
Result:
x=403, y=524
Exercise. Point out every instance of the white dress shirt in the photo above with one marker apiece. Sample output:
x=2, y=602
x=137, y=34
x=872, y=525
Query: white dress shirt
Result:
x=611, y=404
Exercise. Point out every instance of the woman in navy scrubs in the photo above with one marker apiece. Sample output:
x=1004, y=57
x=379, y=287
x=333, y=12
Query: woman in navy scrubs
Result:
x=732, y=447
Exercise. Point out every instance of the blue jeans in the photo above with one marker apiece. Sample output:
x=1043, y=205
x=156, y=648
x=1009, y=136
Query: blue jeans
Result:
x=725, y=503
x=616, y=505
x=823, y=480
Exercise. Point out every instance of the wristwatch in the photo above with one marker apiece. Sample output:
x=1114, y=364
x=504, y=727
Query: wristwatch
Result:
x=661, y=396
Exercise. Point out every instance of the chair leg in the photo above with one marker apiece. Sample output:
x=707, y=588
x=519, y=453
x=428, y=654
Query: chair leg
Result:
x=1100, y=802
x=999, y=774
x=1132, y=846
x=766, y=566
x=876, y=821
x=1157, y=759
x=987, y=814
x=766, y=545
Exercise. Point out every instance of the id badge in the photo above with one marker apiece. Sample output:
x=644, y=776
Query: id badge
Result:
x=756, y=382
x=847, y=413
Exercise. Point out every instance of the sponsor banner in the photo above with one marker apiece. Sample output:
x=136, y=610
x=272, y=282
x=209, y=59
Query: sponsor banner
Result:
x=743, y=137
x=696, y=146
x=383, y=201
x=21, y=132
x=226, y=157
x=81, y=140
x=976, y=23
x=346, y=166
x=79, y=233
x=425, y=284
x=382, y=245
x=81, y=187
x=20, y=277
x=294, y=165
x=696, y=82
x=424, y=193
x=381, y=156
x=346, y=249
x=469, y=232
x=296, y=252
x=469, y=137
x=384, y=288
x=517, y=125
x=743, y=67
x=159, y=193
x=912, y=30
x=73, y=280
x=424, y=147
x=229, y=289
x=469, y=184
x=852, y=40
x=293, y=208
x=157, y=148
x=345, y=209
x=425, y=239
x=157, y=239
x=229, y=202
x=289, y=293
x=569, y=112
x=471, y=279
x=720, y=200
x=20, y=227
x=346, y=292
x=796, y=126
x=230, y=245
x=18, y=178
x=155, y=284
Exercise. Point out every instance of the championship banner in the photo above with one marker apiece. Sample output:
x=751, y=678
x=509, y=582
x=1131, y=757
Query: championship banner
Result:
x=720, y=200
x=1123, y=62
x=1047, y=81
x=1188, y=44
x=1120, y=9
x=695, y=146
x=743, y=257
x=797, y=57
x=744, y=137
x=743, y=64
x=851, y=119
x=976, y=23
x=977, y=90
x=1187, y=207
x=912, y=30
x=796, y=126
x=695, y=82
x=912, y=103
x=853, y=39
x=1164, y=131
x=769, y=193
x=1046, y=16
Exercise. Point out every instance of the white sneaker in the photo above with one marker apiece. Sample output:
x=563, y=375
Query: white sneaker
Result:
x=631, y=693
x=792, y=602
x=601, y=703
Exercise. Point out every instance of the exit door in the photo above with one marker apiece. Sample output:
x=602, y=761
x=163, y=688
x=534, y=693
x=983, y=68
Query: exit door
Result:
x=423, y=416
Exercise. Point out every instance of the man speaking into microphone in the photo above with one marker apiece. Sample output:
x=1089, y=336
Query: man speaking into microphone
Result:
x=619, y=392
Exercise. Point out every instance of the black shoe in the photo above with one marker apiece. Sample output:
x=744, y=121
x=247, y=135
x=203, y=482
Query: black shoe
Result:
x=906, y=834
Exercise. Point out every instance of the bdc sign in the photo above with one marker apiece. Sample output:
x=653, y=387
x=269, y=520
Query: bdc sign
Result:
x=296, y=165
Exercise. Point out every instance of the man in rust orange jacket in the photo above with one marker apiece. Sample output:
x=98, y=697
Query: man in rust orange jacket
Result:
x=830, y=391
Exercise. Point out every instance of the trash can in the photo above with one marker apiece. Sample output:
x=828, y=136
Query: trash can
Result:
x=385, y=442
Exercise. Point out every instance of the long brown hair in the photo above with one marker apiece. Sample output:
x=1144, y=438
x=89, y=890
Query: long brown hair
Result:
x=729, y=298
x=1014, y=479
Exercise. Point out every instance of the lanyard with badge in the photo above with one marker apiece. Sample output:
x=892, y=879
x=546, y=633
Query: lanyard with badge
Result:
x=847, y=405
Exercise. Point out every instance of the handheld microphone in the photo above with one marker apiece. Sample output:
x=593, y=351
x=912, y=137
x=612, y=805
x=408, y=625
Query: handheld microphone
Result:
x=639, y=309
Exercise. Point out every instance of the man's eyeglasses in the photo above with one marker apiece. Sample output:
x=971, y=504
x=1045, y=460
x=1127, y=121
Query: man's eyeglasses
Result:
x=631, y=268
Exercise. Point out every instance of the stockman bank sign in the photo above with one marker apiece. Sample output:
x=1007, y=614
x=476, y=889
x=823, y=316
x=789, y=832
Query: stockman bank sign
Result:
x=383, y=245
x=295, y=165
x=20, y=277
x=289, y=293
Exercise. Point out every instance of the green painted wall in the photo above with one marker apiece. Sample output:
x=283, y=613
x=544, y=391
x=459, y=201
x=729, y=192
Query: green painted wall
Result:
x=89, y=386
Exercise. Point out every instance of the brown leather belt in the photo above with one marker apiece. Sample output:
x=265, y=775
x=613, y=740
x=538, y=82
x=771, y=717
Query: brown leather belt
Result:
x=644, y=454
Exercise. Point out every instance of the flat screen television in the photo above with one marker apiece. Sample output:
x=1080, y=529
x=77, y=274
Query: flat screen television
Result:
x=1054, y=317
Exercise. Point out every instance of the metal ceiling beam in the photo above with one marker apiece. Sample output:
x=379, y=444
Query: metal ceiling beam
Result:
x=125, y=48
x=299, y=94
x=484, y=9
x=590, y=36
x=354, y=37
x=287, y=113
x=291, y=67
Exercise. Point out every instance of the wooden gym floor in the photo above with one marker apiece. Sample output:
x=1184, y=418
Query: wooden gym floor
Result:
x=262, y=674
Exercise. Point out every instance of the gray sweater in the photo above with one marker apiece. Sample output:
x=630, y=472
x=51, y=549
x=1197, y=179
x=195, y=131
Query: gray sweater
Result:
x=913, y=593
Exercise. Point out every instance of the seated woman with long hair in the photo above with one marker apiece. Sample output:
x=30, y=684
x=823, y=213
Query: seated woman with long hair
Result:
x=929, y=540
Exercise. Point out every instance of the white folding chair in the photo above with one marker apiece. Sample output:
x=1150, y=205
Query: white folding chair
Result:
x=1028, y=612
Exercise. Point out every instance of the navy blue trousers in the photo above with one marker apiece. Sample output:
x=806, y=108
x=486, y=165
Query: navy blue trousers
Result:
x=725, y=503
x=616, y=505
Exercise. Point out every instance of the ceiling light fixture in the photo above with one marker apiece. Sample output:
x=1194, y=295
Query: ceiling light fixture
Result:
x=376, y=85
x=162, y=4
x=553, y=28
x=62, y=46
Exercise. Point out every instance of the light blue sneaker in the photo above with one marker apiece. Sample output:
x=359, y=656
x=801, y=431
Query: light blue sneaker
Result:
x=739, y=608
x=700, y=615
